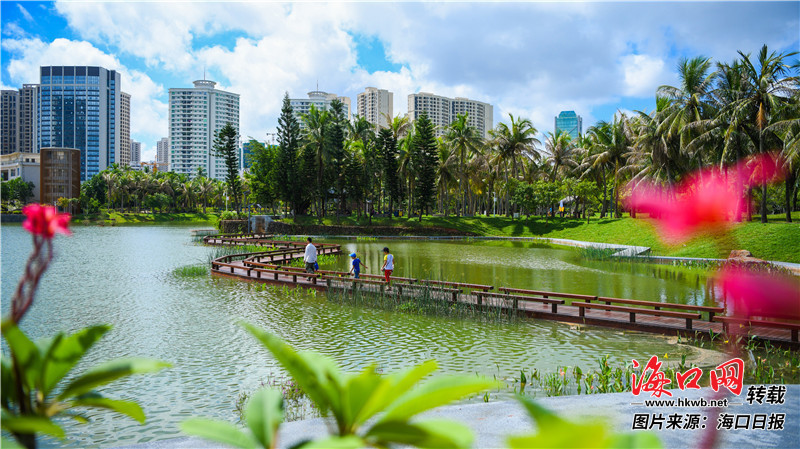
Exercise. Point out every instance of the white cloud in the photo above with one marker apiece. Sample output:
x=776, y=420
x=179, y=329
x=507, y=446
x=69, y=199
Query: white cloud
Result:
x=531, y=59
x=25, y=13
x=148, y=112
x=642, y=74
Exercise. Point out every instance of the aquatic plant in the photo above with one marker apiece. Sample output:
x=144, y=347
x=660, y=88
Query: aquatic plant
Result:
x=420, y=301
x=190, y=271
x=296, y=403
x=368, y=408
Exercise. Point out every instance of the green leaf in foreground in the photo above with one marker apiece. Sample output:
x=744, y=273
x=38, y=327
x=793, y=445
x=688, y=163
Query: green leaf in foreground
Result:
x=556, y=432
x=219, y=431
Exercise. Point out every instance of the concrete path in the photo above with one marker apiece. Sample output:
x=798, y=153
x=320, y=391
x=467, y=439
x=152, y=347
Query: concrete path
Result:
x=493, y=422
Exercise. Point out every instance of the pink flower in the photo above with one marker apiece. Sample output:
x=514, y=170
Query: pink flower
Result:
x=45, y=221
x=706, y=201
x=753, y=294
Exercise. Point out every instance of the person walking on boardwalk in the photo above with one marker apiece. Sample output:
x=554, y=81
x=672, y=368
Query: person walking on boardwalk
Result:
x=388, y=267
x=310, y=257
x=355, y=265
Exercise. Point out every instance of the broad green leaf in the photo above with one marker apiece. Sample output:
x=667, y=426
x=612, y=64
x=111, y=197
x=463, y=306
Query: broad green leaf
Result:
x=97, y=400
x=556, y=432
x=434, y=393
x=219, y=431
x=357, y=393
x=397, y=385
x=264, y=414
x=311, y=371
x=346, y=442
x=427, y=434
x=30, y=424
x=65, y=352
x=24, y=350
x=109, y=372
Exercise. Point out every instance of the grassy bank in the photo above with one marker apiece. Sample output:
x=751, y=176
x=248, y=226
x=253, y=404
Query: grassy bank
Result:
x=776, y=240
x=122, y=219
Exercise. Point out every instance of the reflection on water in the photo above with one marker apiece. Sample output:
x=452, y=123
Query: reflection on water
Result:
x=123, y=276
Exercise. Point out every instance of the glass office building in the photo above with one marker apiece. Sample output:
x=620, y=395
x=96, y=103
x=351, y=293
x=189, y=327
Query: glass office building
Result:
x=78, y=108
x=569, y=122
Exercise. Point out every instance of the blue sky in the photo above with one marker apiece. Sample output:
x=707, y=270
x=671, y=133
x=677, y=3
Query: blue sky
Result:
x=529, y=59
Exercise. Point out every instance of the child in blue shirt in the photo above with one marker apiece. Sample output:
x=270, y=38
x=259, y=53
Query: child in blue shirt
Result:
x=355, y=265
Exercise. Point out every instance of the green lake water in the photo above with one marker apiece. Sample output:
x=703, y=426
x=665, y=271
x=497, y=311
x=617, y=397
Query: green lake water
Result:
x=124, y=276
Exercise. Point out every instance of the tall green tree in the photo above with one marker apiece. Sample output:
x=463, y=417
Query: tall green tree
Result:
x=426, y=162
x=560, y=154
x=226, y=148
x=770, y=87
x=261, y=175
x=316, y=122
x=391, y=182
x=287, y=174
x=335, y=140
x=464, y=141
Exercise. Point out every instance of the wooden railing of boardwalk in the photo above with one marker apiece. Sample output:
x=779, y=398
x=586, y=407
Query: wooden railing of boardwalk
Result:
x=271, y=266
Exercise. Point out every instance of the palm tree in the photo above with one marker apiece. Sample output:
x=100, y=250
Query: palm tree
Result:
x=464, y=143
x=205, y=187
x=788, y=129
x=446, y=174
x=400, y=126
x=360, y=129
x=688, y=102
x=655, y=157
x=769, y=88
x=613, y=142
x=316, y=122
x=513, y=143
x=560, y=154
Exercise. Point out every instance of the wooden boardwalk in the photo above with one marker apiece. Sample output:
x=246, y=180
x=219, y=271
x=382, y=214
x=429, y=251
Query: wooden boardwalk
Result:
x=271, y=266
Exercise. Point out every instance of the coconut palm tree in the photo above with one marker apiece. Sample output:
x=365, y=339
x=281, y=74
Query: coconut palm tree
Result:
x=360, y=129
x=400, y=126
x=688, y=102
x=316, y=122
x=513, y=143
x=464, y=142
x=447, y=173
x=560, y=154
x=770, y=86
x=613, y=142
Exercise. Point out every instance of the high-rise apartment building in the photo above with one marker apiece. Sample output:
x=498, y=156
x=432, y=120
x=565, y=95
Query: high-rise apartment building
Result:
x=136, y=152
x=79, y=107
x=195, y=115
x=9, y=121
x=19, y=120
x=28, y=119
x=443, y=111
x=162, y=154
x=569, y=122
x=375, y=105
x=480, y=115
x=320, y=100
x=125, y=156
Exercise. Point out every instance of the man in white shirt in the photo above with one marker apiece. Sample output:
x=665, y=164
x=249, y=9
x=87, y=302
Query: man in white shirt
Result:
x=310, y=257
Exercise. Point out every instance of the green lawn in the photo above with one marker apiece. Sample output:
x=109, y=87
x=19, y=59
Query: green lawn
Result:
x=135, y=218
x=776, y=240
